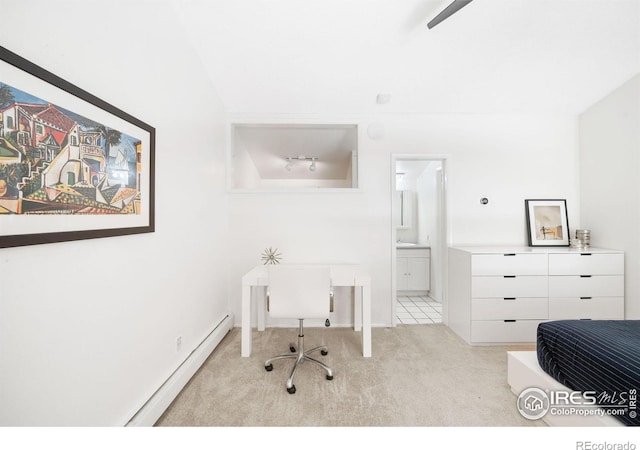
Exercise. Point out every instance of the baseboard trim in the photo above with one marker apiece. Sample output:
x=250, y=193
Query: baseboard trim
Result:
x=162, y=398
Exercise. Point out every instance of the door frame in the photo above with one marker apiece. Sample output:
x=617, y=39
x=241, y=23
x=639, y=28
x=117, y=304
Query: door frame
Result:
x=444, y=222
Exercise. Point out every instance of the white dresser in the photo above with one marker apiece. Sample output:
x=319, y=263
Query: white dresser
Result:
x=500, y=295
x=587, y=285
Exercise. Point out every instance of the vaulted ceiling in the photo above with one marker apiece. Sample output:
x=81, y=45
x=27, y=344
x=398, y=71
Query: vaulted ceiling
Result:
x=336, y=56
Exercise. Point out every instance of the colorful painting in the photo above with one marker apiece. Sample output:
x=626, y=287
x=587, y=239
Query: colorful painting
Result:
x=547, y=222
x=72, y=166
x=54, y=161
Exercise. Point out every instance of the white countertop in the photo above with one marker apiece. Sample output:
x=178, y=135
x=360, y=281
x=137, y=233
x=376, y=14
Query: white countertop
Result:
x=411, y=245
x=519, y=249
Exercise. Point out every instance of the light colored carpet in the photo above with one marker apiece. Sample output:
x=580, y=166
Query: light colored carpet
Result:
x=419, y=375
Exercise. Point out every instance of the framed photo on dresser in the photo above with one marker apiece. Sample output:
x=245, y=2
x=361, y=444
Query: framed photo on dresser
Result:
x=547, y=223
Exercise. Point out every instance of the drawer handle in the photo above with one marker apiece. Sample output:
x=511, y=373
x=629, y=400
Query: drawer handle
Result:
x=586, y=298
x=585, y=254
x=509, y=254
x=509, y=298
x=585, y=319
x=509, y=320
x=585, y=276
x=509, y=276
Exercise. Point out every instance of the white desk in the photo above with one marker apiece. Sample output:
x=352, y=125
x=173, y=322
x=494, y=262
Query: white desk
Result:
x=341, y=275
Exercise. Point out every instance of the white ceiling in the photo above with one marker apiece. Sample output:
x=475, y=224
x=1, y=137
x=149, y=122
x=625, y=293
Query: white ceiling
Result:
x=335, y=56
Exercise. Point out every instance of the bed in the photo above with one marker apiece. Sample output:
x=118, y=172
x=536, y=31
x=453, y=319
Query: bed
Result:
x=598, y=357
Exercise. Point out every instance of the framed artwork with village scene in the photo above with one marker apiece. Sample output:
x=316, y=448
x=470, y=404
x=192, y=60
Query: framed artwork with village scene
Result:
x=72, y=166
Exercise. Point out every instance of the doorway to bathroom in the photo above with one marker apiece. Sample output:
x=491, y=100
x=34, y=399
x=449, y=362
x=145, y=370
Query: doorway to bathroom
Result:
x=419, y=239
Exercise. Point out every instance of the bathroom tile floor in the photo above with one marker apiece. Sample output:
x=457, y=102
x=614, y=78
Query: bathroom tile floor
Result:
x=418, y=310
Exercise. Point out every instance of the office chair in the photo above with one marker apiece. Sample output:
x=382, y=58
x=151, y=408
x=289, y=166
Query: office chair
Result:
x=299, y=292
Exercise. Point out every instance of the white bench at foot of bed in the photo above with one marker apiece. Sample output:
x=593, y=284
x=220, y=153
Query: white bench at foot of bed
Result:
x=523, y=371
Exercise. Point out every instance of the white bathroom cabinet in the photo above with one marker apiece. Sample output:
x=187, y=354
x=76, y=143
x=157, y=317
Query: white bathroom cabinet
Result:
x=413, y=270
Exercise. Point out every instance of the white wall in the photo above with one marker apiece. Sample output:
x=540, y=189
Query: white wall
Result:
x=88, y=329
x=503, y=157
x=428, y=210
x=609, y=174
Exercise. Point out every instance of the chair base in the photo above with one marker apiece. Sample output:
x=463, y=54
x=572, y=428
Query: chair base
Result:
x=300, y=356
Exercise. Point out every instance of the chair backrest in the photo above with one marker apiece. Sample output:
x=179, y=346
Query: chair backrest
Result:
x=299, y=291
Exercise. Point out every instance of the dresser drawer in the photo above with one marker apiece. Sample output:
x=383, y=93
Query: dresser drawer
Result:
x=509, y=308
x=586, y=308
x=509, y=264
x=490, y=331
x=509, y=286
x=586, y=286
x=587, y=264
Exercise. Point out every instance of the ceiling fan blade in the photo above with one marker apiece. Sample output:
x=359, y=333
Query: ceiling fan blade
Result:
x=453, y=8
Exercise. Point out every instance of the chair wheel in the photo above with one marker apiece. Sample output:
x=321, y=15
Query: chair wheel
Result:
x=268, y=368
x=292, y=389
x=329, y=377
x=324, y=352
x=293, y=349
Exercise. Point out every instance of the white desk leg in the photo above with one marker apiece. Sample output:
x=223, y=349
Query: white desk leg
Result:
x=357, y=308
x=261, y=304
x=246, y=321
x=366, y=321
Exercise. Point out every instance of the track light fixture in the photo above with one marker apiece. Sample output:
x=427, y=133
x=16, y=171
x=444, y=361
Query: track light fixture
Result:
x=290, y=159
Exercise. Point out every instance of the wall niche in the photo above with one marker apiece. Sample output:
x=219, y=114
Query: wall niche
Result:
x=294, y=156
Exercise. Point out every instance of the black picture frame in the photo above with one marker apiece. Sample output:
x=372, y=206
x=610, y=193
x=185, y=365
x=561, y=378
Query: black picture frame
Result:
x=547, y=222
x=18, y=228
